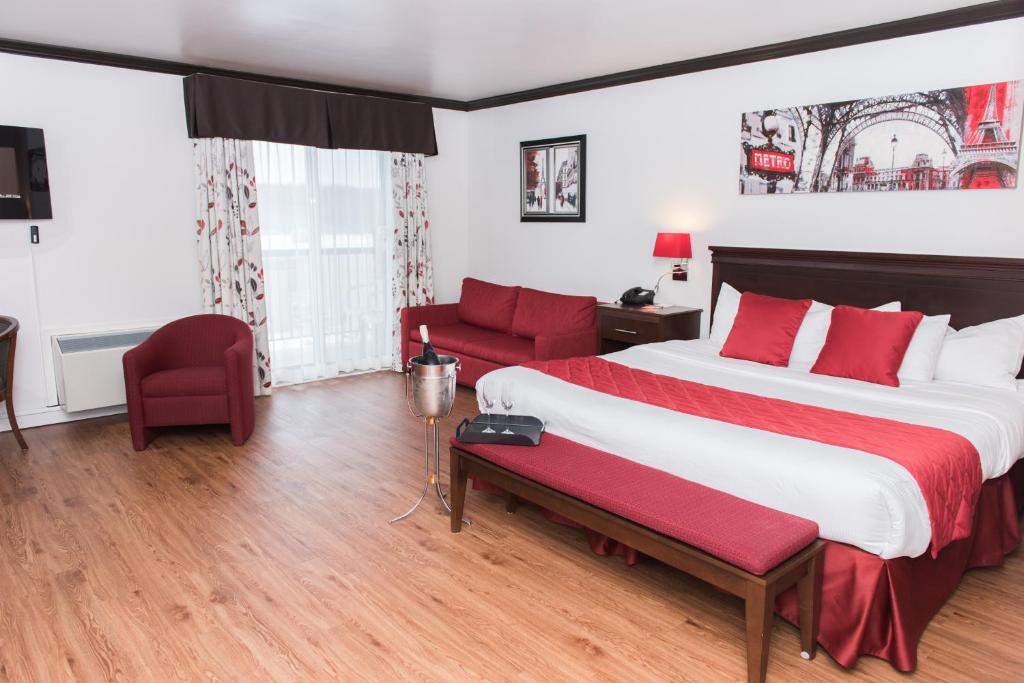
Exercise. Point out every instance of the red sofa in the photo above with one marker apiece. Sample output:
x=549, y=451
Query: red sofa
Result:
x=494, y=326
x=197, y=370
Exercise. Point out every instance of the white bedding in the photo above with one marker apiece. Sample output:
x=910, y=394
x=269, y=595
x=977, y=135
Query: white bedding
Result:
x=858, y=498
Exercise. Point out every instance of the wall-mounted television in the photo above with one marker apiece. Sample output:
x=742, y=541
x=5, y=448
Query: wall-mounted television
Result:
x=24, y=179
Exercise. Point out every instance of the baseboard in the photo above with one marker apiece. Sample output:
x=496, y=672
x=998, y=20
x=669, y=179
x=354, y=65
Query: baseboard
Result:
x=56, y=415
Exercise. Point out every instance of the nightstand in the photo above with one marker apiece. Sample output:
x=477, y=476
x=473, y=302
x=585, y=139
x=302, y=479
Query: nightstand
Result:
x=620, y=327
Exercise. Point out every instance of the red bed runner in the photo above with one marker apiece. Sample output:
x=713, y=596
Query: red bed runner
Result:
x=945, y=465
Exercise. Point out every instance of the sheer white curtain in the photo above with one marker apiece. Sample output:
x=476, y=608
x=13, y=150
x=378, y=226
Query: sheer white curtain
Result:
x=327, y=222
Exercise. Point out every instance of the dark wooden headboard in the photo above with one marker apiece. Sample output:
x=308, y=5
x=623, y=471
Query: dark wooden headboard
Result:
x=972, y=289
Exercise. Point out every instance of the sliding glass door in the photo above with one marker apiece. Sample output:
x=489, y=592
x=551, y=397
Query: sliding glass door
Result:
x=326, y=222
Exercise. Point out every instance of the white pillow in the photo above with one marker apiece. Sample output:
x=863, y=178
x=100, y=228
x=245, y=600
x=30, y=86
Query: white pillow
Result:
x=725, y=313
x=989, y=355
x=923, y=353
x=810, y=338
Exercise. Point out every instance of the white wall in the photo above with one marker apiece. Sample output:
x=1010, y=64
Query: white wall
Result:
x=120, y=250
x=447, y=180
x=663, y=155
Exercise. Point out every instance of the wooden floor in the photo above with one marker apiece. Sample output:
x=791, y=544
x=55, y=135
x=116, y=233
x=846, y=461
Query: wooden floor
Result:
x=196, y=560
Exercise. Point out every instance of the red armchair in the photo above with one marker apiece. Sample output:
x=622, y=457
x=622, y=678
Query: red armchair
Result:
x=197, y=370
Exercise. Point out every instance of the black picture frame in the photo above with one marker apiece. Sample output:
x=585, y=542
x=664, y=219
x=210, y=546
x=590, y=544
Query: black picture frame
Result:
x=545, y=212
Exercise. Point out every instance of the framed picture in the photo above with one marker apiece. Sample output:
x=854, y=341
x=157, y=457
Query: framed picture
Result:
x=965, y=138
x=553, y=179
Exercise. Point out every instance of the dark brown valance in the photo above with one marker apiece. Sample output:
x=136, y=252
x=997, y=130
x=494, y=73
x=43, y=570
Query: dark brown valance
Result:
x=220, y=107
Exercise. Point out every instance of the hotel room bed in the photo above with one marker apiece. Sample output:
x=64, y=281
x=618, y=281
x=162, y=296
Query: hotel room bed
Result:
x=856, y=498
x=882, y=585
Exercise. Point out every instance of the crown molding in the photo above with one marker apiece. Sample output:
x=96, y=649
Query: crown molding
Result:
x=971, y=15
x=164, y=66
x=938, y=21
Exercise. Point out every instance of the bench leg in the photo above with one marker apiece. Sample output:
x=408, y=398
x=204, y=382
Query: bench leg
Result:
x=457, y=490
x=511, y=502
x=809, y=594
x=760, y=612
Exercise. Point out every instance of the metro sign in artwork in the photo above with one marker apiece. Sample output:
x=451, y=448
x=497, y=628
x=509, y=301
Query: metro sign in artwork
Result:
x=768, y=160
x=965, y=138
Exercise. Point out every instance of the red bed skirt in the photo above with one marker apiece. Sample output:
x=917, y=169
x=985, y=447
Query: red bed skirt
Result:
x=872, y=606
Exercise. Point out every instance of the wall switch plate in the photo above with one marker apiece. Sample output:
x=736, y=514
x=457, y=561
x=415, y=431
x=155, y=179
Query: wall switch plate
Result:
x=34, y=234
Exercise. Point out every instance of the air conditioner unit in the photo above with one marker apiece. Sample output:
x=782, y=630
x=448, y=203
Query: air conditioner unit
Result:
x=88, y=370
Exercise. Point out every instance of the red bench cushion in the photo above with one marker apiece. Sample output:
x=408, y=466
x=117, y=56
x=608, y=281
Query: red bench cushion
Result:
x=487, y=305
x=545, y=313
x=748, y=535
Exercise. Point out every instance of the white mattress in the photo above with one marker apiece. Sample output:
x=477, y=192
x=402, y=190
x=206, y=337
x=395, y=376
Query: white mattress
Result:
x=858, y=498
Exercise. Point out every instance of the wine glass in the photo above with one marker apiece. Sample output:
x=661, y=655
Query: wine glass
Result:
x=487, y=396
x=506, y=403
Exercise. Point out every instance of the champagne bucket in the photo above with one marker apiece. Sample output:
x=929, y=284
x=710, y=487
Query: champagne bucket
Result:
x=431, y=388
x=430, y=393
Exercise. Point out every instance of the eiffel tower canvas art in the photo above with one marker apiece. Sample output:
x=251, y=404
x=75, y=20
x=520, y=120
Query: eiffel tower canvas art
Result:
x=952, y=139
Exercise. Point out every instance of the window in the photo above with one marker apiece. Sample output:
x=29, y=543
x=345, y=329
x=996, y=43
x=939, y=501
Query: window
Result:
x=326, y=225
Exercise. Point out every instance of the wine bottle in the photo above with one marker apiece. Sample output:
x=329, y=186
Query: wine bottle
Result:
x=429, y=356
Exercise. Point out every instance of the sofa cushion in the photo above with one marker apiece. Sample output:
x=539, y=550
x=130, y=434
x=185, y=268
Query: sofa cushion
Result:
x=487, y=305
x=167, y=411
x=540, y=312
x=471, y=368
x=200, y=381
x=453, y=337
x=502, y=348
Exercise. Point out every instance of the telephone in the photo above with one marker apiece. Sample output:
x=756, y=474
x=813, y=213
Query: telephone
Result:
x=637, y=296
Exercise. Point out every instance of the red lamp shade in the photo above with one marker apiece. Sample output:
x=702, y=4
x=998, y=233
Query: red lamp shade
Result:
x=673, y=245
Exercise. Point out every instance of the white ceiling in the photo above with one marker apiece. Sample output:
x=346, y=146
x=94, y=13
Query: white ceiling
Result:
x=461, y=49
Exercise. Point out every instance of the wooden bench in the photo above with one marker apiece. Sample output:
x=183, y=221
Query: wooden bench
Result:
x=595, y=489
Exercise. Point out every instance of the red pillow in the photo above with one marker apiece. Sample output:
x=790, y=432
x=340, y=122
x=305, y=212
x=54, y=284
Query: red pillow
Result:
x=866, y=345
x=487, y=305
x=765, y=328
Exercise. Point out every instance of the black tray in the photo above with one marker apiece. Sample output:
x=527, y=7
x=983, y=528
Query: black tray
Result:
x=526, y=430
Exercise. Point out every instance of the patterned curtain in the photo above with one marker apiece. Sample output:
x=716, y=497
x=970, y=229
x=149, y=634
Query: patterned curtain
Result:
x=412, y=282
x=228, y=237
